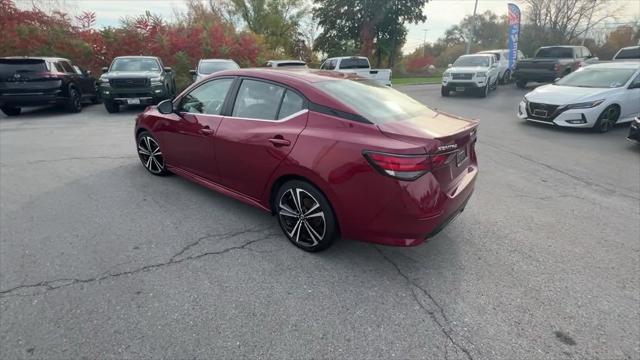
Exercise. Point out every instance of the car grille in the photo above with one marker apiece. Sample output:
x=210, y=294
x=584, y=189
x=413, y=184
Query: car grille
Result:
x=542, y=112
x=129, y=83
x=461, y=76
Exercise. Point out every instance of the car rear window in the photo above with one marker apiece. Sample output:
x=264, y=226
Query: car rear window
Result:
x=209, y=67
x=555, y=52
x=633, y=53
x=354, y=63
x=375, y=102
x=9, y=67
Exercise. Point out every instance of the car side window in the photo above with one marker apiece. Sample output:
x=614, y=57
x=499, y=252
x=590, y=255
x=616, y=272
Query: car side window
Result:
x=291, y=104
x=77, y=70
x=67, y=67
x=58, y=67
x=635, y=84
x=207, y=98
x=257, y=100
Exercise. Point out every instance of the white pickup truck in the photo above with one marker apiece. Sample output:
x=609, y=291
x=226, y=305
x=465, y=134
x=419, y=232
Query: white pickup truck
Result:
x=359, y=65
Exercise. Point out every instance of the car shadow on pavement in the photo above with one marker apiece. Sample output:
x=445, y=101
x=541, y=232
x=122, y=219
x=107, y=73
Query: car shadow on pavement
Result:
x=45, y=112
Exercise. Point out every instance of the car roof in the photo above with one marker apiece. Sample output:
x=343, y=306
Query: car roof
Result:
x=478, y=54
x=216, y=60
x=45, y=58
x=561, y=46
x=136, y=57
x=286, y=61
x=630, y=47
x=630, y=64
x=493, y=51
x=289, y=74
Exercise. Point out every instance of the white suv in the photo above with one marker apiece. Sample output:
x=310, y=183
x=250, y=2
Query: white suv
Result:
x=477, y=73
x=502, y=57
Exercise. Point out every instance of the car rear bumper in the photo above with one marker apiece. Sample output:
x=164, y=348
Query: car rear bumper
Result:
x=415, y=223
x=30, y=99
x=535, y=75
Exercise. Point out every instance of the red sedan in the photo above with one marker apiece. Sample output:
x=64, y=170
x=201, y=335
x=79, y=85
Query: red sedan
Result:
x=329, y=154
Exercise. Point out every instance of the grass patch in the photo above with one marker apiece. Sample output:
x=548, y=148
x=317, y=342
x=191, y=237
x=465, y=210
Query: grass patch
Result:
x=416, y=80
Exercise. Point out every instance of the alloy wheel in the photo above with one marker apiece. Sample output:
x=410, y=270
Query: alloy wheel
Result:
x=150, y=154
x=608, y=118
x=302, y=217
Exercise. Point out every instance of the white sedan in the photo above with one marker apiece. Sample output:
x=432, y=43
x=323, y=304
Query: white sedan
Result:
x=597, y=96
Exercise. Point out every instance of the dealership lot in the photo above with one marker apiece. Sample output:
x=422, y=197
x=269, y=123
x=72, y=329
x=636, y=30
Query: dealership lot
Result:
x=102, y=260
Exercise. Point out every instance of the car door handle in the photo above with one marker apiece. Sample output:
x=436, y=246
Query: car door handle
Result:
x=279, y=141
x=206, y=131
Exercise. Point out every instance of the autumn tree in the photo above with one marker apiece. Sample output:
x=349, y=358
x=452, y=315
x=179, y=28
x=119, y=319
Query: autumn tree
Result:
x=365, y=22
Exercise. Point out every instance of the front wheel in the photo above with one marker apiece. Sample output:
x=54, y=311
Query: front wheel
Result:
x=111, y=106
x=444, y=91
x=11, y=110
x=151, y=155
x=506, y=77
x=607, y=119
x=483, y=91
x=305, y=216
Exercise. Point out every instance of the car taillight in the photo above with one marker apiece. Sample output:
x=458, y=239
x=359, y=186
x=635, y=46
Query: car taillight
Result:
x=405, y=167
x=49, y=75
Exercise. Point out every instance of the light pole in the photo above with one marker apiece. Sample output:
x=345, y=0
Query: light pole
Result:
x=424, y=43
x=584, y=37
x=473, y=28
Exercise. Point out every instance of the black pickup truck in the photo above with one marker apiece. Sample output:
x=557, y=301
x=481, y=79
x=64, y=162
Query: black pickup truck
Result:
x=550, y=63
x=134, y=80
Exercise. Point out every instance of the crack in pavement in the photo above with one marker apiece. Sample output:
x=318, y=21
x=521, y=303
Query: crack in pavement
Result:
x=222, y=236
x=65, y=282
x=430, y=312
x=620, y=192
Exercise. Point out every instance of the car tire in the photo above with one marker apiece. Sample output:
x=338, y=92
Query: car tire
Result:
x=521, y=84
x=483, y=91
x=74, y=102
x=506, y=77
x=111, y=107
x=444, y=91
x=305, y=216
x=150, y=154
x=607, y=119
x=11, y=110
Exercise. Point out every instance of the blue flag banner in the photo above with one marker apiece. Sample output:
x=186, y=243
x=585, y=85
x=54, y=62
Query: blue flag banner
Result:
x=514, y=33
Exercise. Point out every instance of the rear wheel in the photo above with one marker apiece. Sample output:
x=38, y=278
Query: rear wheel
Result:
x=111, y=106
x=74, y=102
x=607, y=119
x=305, y=216
x=521, y=84
x=11, y=110
x=506, y=77
x=444, y=91
x=151, y=155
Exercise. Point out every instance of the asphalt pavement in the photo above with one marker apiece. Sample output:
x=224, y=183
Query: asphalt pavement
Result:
x=99, y=259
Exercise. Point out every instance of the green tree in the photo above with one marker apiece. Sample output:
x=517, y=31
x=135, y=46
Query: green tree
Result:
x=362, y=23
x=490, y=32
x=278, y=21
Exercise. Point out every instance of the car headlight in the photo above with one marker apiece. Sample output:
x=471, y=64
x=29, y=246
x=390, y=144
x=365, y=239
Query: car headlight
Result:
x=481, y=74
x=156, y=81
x=585, y=105
x=103, y=81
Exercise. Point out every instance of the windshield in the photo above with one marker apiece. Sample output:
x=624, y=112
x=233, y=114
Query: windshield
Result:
x=597, y=78
x=631, y=53
x=209, y=67
x=135, y=65
x=472, y=61
x=354, y=63
x=555, y=52
x=377, y=103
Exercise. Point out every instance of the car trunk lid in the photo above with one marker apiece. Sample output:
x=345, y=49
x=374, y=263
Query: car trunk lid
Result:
x=438, y=133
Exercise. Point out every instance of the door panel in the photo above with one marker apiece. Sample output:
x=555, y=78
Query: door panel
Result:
x=188, y=137
x=250, y=150
x=263, y=128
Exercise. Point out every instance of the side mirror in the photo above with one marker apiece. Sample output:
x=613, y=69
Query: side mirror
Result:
x=167, y=69
x=165, y=107
x=193, y=72
x=105, y=69
x=449, y=65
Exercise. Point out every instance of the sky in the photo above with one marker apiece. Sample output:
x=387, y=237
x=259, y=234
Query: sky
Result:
x=441, y=14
